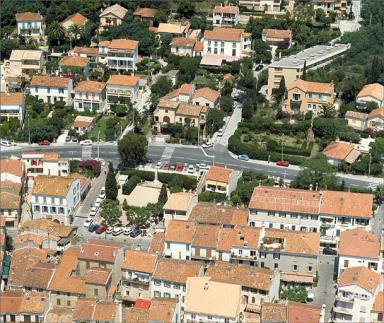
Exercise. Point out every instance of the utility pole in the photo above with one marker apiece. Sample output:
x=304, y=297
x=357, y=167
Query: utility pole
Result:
x=29, y=133
x=98, y=145
x=198, y=130
x=282, y=150
x=369, y=164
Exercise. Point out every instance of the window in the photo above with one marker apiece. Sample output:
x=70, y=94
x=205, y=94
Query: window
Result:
x=282, y=226
x=262, y=264
x=233, y=52
x=58, y=302
x=226, y=320
x=293, y=227
x=222, y=50
x=176, y=286
x=157, y=294
x=37, y=208
x=209, y=43
x=294, y=268
x=276, y=256
x=95, y=292
x=240, y=252
x=233, y=44
x=309, y=95
x=215, y=50
x=309, y=269
x=222, y=44
x=276, y=266
x=168, y=245
x=346, y=263
x=215, y=43
x=262, y=254
x=271, y=225
x=209, y=317
x=68, y=303
x=193, y=316
x=283, y=215
x=167, y=284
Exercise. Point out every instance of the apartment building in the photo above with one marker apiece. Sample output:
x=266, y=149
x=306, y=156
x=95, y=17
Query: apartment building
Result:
x=30, y=25
x=327, y=212
x=98, y=283
x=121, y=89
x=338, y=152
x=52, y=89
x=281, y=38
x=24, y=62
x=170, y=278
x=12, y=105
x=137, y=270
x=225, y=15
x=74, y=66
x=362, y=121
x=291, y=68
x=122, y=54
x=304, y=96
x=179, y=206
x=221, y=180
x=44, y=163
x=145, y=15
x=355, y=296
x=370, y=93
x=112, y=16
x=90, y=95
x=339, y=6
x=268, y=6
x=358, y=247
x=206, y=96
x=204, y=301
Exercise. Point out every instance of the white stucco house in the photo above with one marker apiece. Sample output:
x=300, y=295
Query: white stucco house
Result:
x=12, y=105
x=52, y=89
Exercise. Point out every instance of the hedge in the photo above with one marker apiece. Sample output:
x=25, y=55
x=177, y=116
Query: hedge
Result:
x=272, y=145
x=143, y=174
x=211, y=197
x=130, y=185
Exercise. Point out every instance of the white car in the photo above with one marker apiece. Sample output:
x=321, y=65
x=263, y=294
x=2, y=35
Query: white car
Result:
x=117, y=231
x=109, y=230
x=87, y=222
x=207, y=145
x=86, y=142
x=97, y=203
x=93, y=211
x=102, y=194
x=127, y=231
x=191, y=169
x=5, y=143
x=220, y=132
x=158, y=165
x=203, y=166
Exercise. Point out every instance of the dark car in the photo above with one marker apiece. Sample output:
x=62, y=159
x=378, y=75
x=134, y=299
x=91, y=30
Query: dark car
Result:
x=68, y=139
x=135, y=232
x=43, y=142
x=329, y=251
x=173, y=167
x=92, y=227
x=101, y=229
x=259, y=67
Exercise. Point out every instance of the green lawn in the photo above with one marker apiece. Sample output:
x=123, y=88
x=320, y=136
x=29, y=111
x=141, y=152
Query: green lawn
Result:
x=101, y=126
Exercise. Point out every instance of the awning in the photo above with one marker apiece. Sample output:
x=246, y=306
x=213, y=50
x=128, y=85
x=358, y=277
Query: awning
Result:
x=6, y=266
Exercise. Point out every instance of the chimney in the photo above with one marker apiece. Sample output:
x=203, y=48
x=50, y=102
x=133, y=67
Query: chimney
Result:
x=206, y=286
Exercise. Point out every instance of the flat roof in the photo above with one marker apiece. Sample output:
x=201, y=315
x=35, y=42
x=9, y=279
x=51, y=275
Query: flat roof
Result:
x=312, y=56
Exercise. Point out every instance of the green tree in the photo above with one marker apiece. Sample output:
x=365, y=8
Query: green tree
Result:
x=215, y=120
x=262, y=51
x=376, y=70
x=160, y=16
x=295, y=294
x=186, y=8
x=226, y=89
x=56, y=34
x=226, y=103
x=161, y=87
x=328, y=111
x=163, y=197
x=248, y=110
x=280, y=92
x=75, y=31
x=188, y=68
x=111, y=184
x=110, y=211
x=132, y=149
x=304, y=76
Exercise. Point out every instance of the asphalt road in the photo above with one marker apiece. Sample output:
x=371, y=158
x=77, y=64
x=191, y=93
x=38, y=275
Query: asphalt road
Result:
x=218, y=155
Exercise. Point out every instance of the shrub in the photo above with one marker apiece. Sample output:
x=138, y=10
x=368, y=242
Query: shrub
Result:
x=130, y=185
x=211, y=197
x=144, y=175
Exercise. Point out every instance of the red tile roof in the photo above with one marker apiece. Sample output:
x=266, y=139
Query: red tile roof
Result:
x=224, y=34
x=28, y=16
x=12, y=166
x=50, y=81
x=207, y=93
x=360, y=276
x=277, y=33
x=219, y=174
x=145, y=12
x=77, y=19
x=359, y=243
x=125, y=80
x=7, y=98
x=312, y=87
x=123, y=44
x=226, y=9
x=99, y=251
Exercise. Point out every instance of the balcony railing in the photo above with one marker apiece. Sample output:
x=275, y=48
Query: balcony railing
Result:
x=343, y=310
x=342, y=298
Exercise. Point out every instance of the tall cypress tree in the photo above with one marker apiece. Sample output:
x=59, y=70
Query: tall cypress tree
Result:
x=111, y=184
x=304, y=76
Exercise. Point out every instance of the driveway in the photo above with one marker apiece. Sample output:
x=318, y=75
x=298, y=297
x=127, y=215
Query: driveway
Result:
x=230, y=127
x=377, y=222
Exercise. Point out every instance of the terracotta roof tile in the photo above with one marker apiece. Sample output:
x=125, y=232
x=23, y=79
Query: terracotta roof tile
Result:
x=83, y=122
x=165, y=103
x=9, y=201
x=19, y=302
x=210, y=213
x=183, y=42
x=94, y=310
x=361, y=276
x=224, y=34
x=199, y=46
x=84, y=181
x=7, y=98
x=338, y=150
x=299, y=313
x=116, y=10
x=175, y=270
x=374, y=90
x=89, y=51
x=46, y=156
x=26, y=54
x=191, y=110
x=359, y=243
x=379, y=112
x=180, y=231
x=378, y=305
x=137, y=315
x=28, y=16
x=53, y=228
x=206, y=236
x=10, y=187
x=90, y=86
x=104, y=43
x=171, y=28
x=238, y=237
x=140, y=261
x=162, y=309
x=226, y=9
x=12, y=166
x=356, y=115
x=52, y=185
x=277, y=33
x=179, y=201
x=105, y=312
x=272, y=312
x=219, y=174
x=75, y=61
x=77, y=19
x=123, y=44
x=59, y=314
x=207, y=93
x=312, y=87
x=125, y=80
x=145, y=12
x=240, y=274
x=50, y=81
x=99, y=251
x=98, y=276
x=157, y=243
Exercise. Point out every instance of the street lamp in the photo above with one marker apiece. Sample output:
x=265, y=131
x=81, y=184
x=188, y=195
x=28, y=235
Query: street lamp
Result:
x=369, y=164
x=98, y=145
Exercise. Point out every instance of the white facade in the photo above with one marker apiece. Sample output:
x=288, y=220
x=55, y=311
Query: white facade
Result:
x=167, y=289
x=123, y=60
x=52, y=94
x=60, y=209
x=31, y=28
x=12, y=110
x=121, y=92
x=227, y=48
x=205, y=102
x=178, y=250
x=263, y=5
x=225, y=18
x=348, y=261
x=92, y=101
x=182, y=50
x=200, y=317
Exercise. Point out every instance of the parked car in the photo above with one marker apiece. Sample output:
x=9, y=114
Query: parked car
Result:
x=207, y=145
x=220, y=132
x=117, y=231
x=180, y=167
x=259, y=67
x=93, y=211
x=158, y=164
x=329, y=251
x=166, y=166
x=86, y=142
x=87, y=222
x=243, y=157
x=109, y=230
x=135, y=232
x=102, y=193
x=173, y=167
x=6, y=143
x=98, y=201
x=127, y=231
x=191, y=169
x=101, y=229
x=282, y=163
x=203, y=166
x=68, y=139
x=44, y=142
x=93, y=227
x=74, y=140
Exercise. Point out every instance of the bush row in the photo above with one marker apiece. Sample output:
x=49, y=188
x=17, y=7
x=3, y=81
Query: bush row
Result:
x=211, y=197
x=273, y=145
x=259, y=124
x=130, y=185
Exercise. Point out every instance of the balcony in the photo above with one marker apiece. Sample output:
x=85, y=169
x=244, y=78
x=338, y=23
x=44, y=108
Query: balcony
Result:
x=343, y=310
x=347, y=299
x=243, y=257
x=135, y=280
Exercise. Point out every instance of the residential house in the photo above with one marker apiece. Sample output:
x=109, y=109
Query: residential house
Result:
x=157, y=243
x=295, y=209
x=225, y=15
x=358, y=247
x=20, y=306
x=123, y=54
x=182, y=94
x=98, y=283
x=30, y=25
x=208, y=300
x=198, y=48
x=179, y=206
x=356, y=120
x=56, y=198
x=377, y=311
x=206, y=97
x=291, y=67
x=375, y=119
x=52, y=89
x=178, y=239
x=362, y=121
x=12, y=105
x=355, y=296
x=36, y=240
x=225, y=44
x=281, y=38
x=337, y=152
x=268, y=6
x=170, y=277
x=24, y=62
x=85, y=184
x=12, y=184
x=83, y=124
x=160, y=310
x=112, y=16
x=44, y=163
x=182, y=46
x=305, y=96
x=370, y=93
x=121, y=89
x=258, y=285
x=103, y=51
x=90, y=95
x=173, y=29
x=291, y=312
x=145, y=15
x=94, y=310
x=328, y=6
x=221, y=180
x=137, y=270
x=77, y=19
x=165, y=114
x=89, y=52
x=74, y=66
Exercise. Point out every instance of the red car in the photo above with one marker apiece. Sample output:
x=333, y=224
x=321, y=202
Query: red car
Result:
x=180, y=167
x=101, y=229
x=282, y=163
x=43, y=142
x=166, y=166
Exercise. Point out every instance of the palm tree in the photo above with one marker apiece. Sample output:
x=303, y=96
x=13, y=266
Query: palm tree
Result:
x=56, y=33
x=75, y=31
